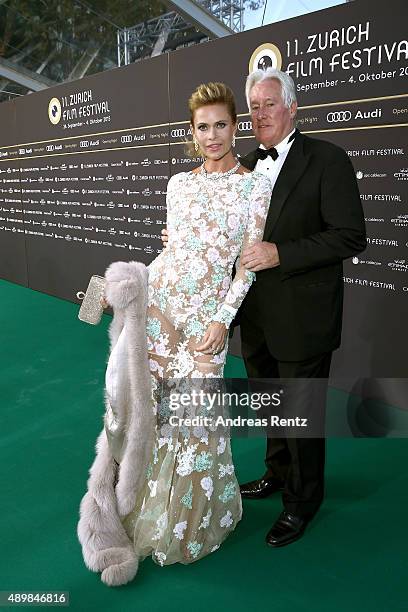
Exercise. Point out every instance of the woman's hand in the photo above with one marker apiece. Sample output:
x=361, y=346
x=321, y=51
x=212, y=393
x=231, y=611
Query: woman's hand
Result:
x=214, y=339
x=103, y=302
x=164, y=237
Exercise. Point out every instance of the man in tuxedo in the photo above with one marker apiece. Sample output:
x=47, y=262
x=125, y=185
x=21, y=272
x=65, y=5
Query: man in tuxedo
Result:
x=292, y=316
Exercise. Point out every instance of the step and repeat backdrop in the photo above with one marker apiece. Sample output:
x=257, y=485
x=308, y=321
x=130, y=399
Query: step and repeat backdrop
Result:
x=85, y=182
x=84, y=166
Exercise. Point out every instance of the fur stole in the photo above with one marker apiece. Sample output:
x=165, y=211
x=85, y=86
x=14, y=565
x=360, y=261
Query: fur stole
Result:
x=123, y=447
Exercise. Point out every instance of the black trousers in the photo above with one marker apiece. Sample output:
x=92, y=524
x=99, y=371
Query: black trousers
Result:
x=299, y=462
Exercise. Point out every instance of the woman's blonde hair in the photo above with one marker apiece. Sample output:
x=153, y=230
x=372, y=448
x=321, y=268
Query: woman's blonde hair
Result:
x=210, y=93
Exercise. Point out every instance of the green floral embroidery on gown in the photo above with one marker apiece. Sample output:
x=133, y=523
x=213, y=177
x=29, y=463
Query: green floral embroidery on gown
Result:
x=187, y=499
x=190, y=500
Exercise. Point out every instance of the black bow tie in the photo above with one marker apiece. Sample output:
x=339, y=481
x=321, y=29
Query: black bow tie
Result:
x=264, y=153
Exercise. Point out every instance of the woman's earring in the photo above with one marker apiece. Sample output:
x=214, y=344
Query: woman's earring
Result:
x=233, y=141
x=195, y=144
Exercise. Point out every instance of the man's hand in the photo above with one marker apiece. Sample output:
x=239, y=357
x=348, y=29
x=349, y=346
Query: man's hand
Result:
x=214, y=339
x=260, y=256
x=164, y=237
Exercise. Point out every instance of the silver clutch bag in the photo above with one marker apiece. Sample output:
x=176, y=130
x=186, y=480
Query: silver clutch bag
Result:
x=91, y=308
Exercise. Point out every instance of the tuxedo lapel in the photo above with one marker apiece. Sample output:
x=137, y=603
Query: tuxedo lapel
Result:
x=291, y=171
x=249, y=161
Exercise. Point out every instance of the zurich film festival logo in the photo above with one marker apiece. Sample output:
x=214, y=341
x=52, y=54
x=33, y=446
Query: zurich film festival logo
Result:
x=265, y=56
x=54, y=111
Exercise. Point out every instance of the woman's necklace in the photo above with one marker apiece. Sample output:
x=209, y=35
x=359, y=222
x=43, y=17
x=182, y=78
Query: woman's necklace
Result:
x=218, y=175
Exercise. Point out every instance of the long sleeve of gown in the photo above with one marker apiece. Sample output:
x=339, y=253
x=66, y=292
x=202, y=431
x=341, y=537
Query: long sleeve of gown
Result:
x=259, y=201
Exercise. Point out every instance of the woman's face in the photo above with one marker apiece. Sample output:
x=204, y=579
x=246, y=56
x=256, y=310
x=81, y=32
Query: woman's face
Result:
x=213, y=130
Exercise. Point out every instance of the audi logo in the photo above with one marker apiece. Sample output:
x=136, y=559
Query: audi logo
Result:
x=126, y=138
x=178, y=133
x=245, y=126
x=338, y=116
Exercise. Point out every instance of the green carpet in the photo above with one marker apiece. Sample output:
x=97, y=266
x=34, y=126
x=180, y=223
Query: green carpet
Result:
x=352, y=557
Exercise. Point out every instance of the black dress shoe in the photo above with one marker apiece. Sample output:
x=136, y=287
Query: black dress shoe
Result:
x=287, y=529
x=257, y=489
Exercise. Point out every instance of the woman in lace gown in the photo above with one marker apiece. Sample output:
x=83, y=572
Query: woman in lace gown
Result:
x=190, y=500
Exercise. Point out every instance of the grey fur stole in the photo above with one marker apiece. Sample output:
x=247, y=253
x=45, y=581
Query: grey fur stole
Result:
x=127, y=437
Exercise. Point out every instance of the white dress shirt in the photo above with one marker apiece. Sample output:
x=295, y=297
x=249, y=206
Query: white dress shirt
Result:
x=271, y=168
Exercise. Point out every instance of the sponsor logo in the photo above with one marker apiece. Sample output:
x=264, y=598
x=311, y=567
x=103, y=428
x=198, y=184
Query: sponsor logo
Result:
x=338, y=116
x=54, y=111
x=357, y=260
x=126, y=138
x=374, y=114
x=265, y=56
x=178, y=133
x=402, y=175
x=360, y=174
x=398, y=265
x=245, y=126
x=400, y=221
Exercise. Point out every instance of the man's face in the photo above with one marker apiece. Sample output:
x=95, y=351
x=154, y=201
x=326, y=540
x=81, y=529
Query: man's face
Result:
x=271, y=119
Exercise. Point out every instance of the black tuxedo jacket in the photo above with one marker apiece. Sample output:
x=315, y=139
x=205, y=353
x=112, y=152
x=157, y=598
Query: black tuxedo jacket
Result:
x=316, y=220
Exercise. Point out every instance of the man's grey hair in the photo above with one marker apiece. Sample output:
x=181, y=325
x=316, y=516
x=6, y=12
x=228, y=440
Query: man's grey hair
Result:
x=286, y=81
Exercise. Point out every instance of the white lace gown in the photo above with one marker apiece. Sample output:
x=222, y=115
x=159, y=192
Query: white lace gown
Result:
x=191, y=501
